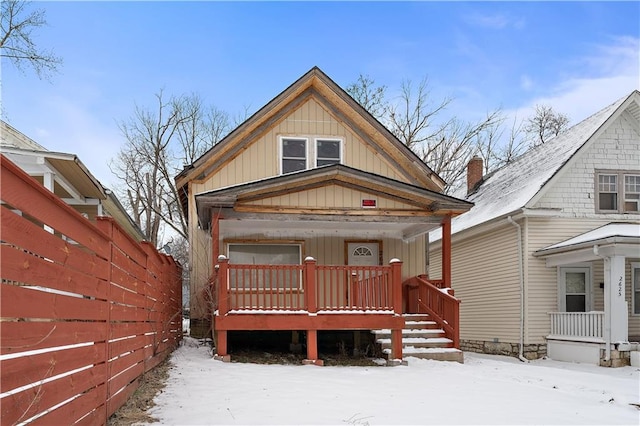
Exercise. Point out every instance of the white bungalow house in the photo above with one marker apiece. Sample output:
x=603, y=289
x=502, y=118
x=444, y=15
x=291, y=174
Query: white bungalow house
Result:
x=547, y=262
x=67, y=177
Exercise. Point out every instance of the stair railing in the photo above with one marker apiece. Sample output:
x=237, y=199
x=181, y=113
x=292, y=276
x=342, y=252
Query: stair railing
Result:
x=423, y=297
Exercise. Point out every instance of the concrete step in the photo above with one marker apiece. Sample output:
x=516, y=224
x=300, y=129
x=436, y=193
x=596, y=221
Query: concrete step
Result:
x=421, y=338
x=418, y=342
x=417, y=332
x=437, y=354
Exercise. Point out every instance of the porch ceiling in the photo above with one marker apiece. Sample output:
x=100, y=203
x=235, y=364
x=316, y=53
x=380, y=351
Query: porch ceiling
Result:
x=282, y=226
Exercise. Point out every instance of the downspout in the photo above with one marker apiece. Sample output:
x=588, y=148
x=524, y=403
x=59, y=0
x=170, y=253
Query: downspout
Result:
x=521, y=270
x=607, y=329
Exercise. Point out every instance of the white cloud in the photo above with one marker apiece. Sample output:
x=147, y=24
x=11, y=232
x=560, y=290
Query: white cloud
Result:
x=76, y=130
x=526, y=82
x=608, y=74
x=495, y=22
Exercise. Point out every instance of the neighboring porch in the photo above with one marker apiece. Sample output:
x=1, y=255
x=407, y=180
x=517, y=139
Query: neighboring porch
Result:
x=578, y=333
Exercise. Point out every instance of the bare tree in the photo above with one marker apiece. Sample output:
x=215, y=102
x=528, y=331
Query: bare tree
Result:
x=158, y=144
x=545, y=124
x=496, y=149
x=411, y=119
x=17, y=24
x=370, y=96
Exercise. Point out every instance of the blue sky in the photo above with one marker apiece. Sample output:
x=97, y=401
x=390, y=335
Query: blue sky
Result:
x=575, y=56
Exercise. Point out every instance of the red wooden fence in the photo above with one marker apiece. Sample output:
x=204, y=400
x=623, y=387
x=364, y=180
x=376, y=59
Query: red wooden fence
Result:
x=85, y=309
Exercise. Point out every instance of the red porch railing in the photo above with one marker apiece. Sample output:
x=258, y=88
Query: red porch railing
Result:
x=309, y=287
x=426, y=296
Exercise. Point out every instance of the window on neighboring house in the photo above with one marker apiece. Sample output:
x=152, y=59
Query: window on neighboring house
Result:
x=297, y=154
x=631, y=193
x=635, y=287
x=617, y=192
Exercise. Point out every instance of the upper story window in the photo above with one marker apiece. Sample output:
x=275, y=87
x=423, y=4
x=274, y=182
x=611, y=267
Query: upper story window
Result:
x=302, y=153
x=294, y=155
x=617, y=191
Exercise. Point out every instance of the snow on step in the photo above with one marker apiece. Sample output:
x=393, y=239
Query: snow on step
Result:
x=419, y=323
x=410, y=331
x=407, y=351
x=414, y=340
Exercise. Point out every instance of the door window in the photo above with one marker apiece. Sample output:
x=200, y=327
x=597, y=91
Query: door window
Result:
x=575, y=289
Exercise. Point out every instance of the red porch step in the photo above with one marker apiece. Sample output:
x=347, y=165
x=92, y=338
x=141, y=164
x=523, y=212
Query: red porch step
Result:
x=421, y=338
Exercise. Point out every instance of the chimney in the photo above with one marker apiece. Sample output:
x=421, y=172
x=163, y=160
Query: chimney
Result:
x=474, y=173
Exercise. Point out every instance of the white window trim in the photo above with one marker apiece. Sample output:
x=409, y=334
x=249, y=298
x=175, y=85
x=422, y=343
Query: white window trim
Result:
x=315, y=148
x=634, y=266
x=621, y=189
x=311, y=142
x=562, y=301
x=281, y=150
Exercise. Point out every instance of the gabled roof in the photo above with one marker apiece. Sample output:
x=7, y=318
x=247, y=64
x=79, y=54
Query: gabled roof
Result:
x=426, y=202
x=318, y=85
x=520, y=184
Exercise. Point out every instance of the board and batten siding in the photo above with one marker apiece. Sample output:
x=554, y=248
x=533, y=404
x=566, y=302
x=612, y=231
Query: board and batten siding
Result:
x=332, y=196
x=259, y=159
x=488, y=286
x=329, y=250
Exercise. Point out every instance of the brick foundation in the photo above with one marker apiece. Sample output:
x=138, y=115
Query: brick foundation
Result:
x=617, y=359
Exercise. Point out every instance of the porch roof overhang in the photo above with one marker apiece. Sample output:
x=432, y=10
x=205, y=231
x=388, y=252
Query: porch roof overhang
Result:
x=240, y=205
x=613, y=239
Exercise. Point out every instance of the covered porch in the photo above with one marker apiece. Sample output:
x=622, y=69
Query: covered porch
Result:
x=589, y=327
x=337, y=267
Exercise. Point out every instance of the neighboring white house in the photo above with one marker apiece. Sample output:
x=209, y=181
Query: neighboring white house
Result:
x=67, y=177
x=547, y=262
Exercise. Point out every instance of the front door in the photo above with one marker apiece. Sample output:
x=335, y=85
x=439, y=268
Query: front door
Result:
x=362, y=291
x=363, y=253
x=575, y=289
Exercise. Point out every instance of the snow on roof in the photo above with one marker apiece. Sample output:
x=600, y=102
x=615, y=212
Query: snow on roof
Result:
x=511, y=187
x=611, y=230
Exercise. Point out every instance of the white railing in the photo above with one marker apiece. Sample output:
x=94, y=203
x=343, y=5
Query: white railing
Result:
x=586, y=326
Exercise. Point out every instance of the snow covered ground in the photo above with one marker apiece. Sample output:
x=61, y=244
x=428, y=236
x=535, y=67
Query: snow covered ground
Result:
x=484, y=390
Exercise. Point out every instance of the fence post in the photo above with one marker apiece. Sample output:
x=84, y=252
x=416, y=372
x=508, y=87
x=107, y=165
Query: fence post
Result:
x=309, y=284
x=105, y=224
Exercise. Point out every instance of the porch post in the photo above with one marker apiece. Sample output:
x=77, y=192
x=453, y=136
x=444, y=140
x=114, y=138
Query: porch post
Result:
x=396, y=293
x=615, y=307
x=215, y=235
x=446, y=251
x=309, y=284
x=223, y=285
x=222, y=293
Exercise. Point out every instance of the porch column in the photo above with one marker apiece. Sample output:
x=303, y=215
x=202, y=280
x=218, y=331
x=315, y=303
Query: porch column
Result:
x=616, y=319
x=215, y=235
x=446, y=251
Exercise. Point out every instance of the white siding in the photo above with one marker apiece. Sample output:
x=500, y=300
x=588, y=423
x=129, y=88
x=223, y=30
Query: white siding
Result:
x=485, y=277
x=617, y=148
